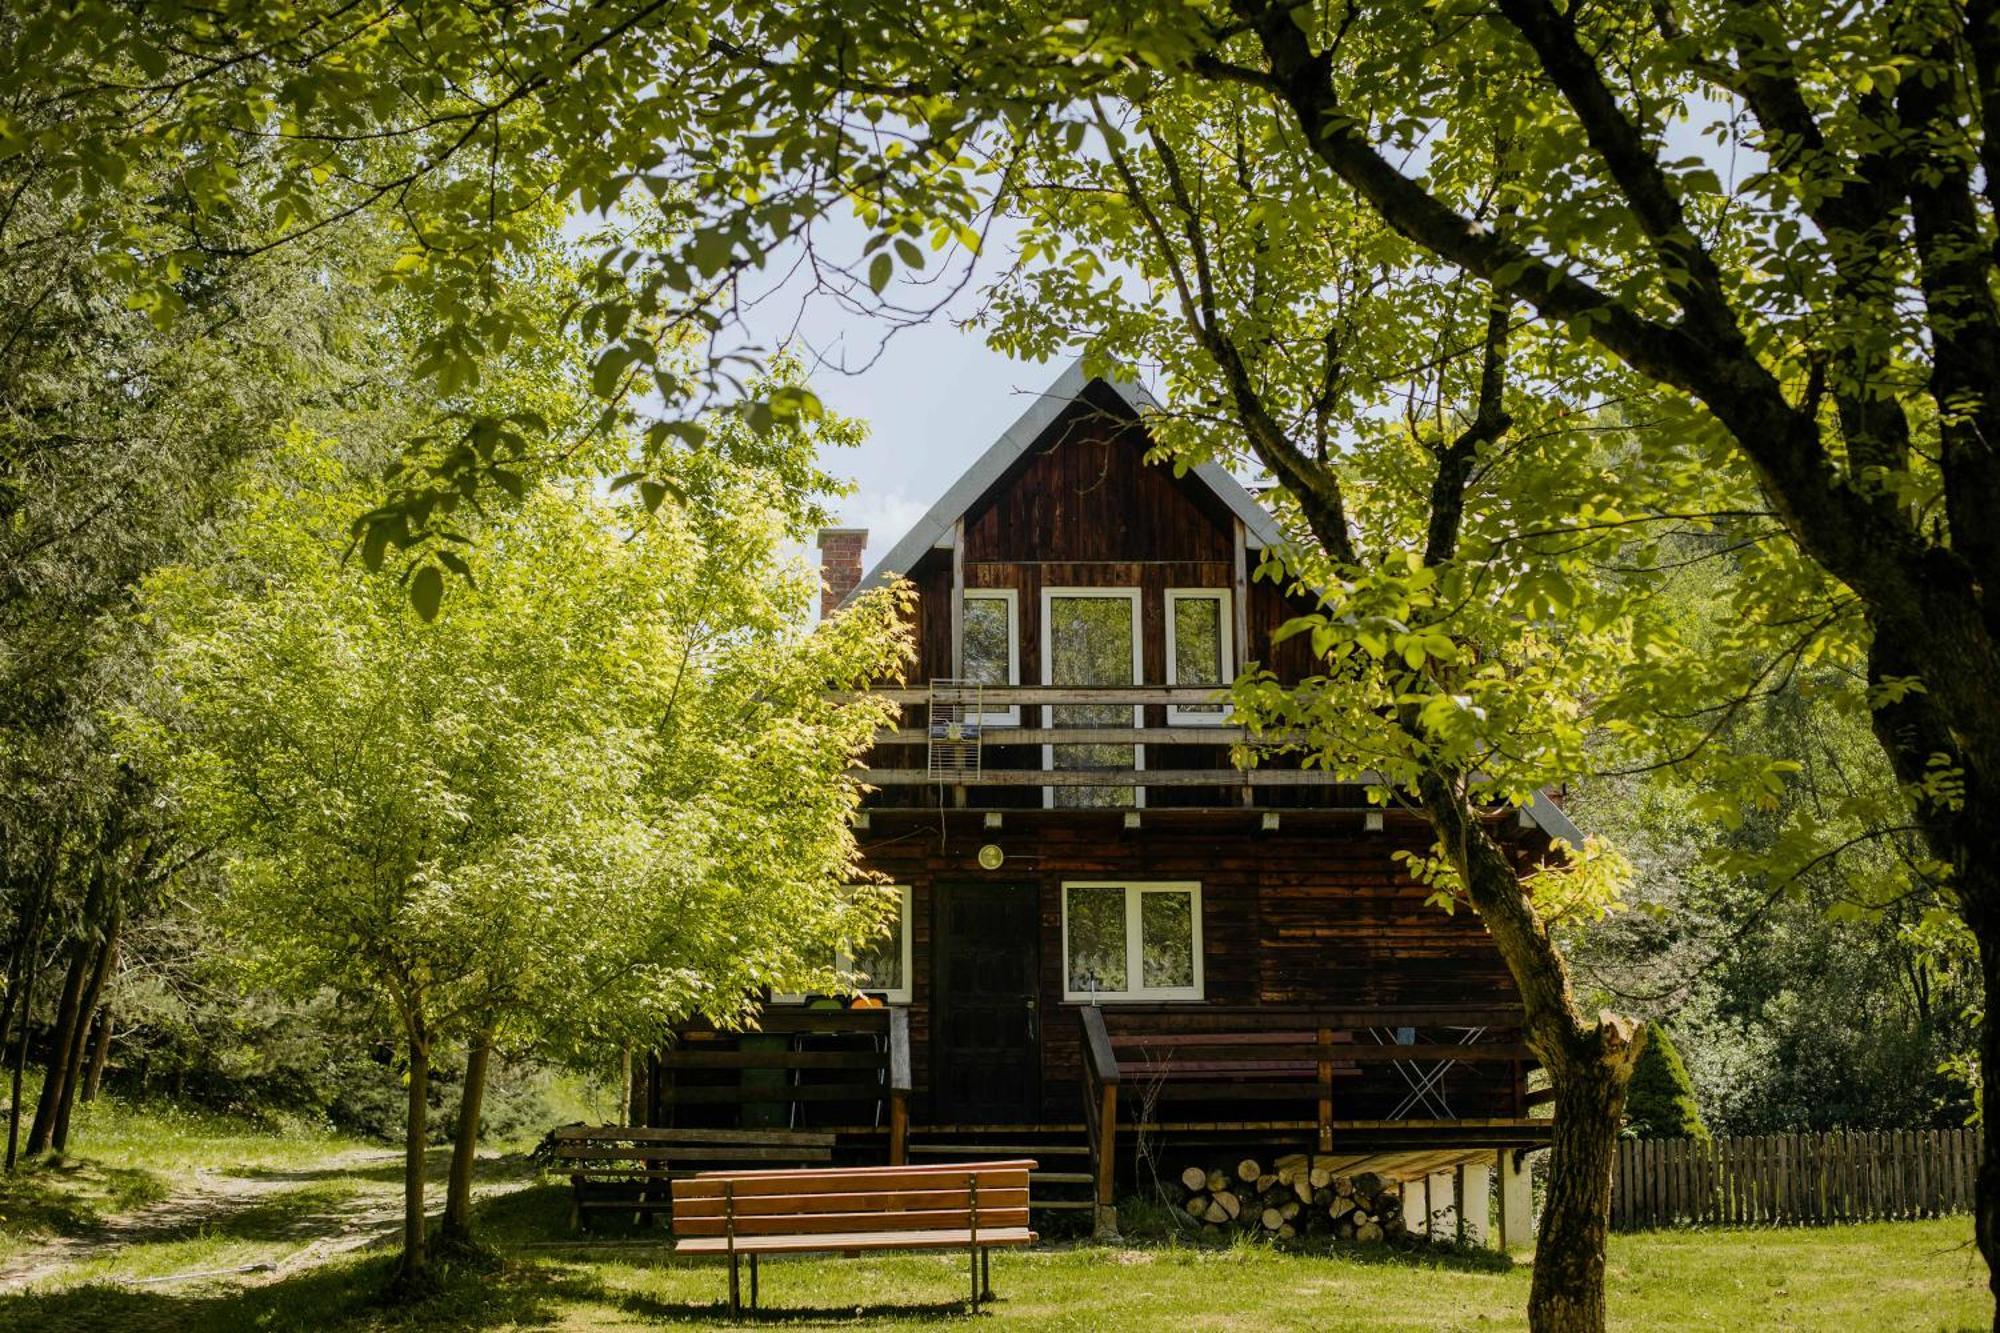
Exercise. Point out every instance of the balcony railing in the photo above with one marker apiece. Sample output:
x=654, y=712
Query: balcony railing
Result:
x=1152, y=708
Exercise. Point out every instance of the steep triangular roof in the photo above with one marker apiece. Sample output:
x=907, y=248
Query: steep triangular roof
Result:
x=934, y=529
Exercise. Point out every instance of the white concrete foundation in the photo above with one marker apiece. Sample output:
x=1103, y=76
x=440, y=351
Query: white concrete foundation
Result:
x=1517, y=1201
x=1475, y=1195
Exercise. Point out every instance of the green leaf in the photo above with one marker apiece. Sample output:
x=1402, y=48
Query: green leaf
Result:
x=880, y=268
x=427, y=592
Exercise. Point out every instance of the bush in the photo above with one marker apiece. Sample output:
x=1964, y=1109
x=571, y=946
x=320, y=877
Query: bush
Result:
x=1659, y=1104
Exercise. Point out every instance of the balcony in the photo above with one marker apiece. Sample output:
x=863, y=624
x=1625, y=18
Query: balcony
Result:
x=952, y=742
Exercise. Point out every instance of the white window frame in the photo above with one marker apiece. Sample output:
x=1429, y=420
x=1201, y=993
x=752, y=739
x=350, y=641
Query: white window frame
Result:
x=1136, y=990
x=1178, y=715
x=998, y=717
x=843, y=960
x=1134, y=595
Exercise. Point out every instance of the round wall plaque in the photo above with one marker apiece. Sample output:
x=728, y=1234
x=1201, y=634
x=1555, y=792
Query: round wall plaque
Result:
x=991, y=857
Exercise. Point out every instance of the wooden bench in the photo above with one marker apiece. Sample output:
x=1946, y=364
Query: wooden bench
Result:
x=626, y=1168
x=974, y=1205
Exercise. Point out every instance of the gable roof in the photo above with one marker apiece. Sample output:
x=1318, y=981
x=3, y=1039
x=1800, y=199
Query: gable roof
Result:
x=934, y=529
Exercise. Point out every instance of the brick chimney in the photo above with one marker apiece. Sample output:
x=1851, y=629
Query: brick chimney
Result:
x=839, y=565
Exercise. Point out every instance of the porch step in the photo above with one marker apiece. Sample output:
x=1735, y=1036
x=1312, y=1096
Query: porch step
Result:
x=1059, y=1177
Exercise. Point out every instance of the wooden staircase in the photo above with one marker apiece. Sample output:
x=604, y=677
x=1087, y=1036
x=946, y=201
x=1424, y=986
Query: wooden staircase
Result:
x=1059, y=1183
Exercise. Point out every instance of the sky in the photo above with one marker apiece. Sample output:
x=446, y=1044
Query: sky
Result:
x=933, y=400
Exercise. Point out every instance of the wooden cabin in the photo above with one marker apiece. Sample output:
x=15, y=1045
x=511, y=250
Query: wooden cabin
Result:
x=1111, y=936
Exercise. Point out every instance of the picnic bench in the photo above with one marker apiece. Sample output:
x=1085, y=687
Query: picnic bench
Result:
x=628, y=1168
x=972, y=1205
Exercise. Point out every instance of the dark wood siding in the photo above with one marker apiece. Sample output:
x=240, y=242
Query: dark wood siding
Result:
x=1321, y=917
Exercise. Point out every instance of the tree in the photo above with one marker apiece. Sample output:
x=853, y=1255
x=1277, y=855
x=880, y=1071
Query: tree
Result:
x=484, y=822
x=1660, y=1102
x=1447, y=513
x=1832, y=314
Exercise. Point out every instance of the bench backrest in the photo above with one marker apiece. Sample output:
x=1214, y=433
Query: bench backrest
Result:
x=933, y=1197
x=587, y=1147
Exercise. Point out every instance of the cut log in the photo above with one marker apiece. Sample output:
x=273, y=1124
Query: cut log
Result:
x=1271, y=1219
x=1218, y=1181
x=1288, y=1210
x=1248, y=1170
x=1321, y=1177
x=1231, y=1205
x=1367, y=1183
x=1343, y=1186
x=1195, y=1178
x=1197, y=1204
x=1368, y=1233
x=1287, y=1231
x=1267, y=1182
x=1215, y=1212
x=1340, y=1208
x=1303, y=1188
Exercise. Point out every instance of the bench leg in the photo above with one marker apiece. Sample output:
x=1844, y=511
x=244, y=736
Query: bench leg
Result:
x=986, y=1275
x=753, y=1280
x=735, y=1291
x=973, y=1257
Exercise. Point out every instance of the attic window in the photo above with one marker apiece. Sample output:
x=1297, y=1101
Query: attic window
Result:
x=1131, y=941
x=1198, y=632
x=990, y=647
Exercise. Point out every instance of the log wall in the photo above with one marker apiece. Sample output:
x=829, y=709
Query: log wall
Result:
x=1318, y=917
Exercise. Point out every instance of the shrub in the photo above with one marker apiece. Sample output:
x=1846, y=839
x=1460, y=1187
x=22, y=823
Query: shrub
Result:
x=1659, y=1104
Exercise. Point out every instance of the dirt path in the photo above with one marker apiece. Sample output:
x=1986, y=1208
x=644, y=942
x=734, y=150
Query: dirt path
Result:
x=216, y=1198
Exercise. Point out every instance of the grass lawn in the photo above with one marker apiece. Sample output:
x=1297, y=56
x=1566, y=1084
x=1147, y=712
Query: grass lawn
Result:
x=1912, y=1275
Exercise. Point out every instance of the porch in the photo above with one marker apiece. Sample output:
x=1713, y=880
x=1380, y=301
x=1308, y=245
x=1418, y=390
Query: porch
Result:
x=1408, y=1093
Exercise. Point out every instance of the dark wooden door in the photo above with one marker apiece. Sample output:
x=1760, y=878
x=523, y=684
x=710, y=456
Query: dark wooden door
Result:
x=987, y=1054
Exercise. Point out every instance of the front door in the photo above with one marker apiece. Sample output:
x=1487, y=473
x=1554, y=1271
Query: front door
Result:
x=987, y=1056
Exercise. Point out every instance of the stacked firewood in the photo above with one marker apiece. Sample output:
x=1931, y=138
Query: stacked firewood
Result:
x=1298, y=1195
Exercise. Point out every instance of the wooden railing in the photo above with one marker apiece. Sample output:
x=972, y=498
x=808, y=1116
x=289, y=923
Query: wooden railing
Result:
x=1273, y=1056
x=1780, y=1179
x=876, y=1073
x=1151, y=705
x=1100, y=1101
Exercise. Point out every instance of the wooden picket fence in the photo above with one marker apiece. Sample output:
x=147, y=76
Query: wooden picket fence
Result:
x=1788, y=1179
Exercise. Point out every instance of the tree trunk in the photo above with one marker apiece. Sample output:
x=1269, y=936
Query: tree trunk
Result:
x=93, y=992
x=1589, y=1065
x=54, y=1069
x=414, y=1269
x=1986, y=1185
x=29, y=972
x=100, y=1051
x=1568, y=1287
x=465, y=1147
x=625, y=1084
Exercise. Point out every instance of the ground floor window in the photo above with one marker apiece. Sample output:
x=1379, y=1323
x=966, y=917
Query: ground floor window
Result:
x=1131, y=941
x=881, y=968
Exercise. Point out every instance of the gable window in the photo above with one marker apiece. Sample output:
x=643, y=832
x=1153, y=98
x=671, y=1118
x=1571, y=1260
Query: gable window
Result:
x=990, y=651
x=1199, y=629
x=1090, y=640
x=1131, y=941
x=882, y=967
